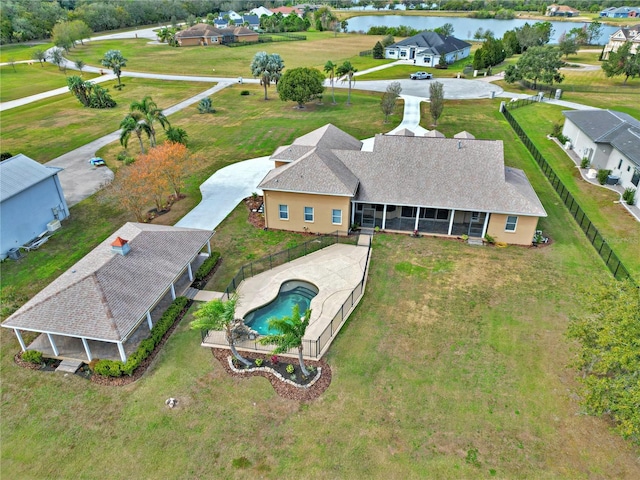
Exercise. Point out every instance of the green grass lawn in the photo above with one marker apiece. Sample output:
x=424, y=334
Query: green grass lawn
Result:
x=621, y=231
x=454, y=368
x=59, y=124
x=20, y=51
x=232, y=62
x=28, y=80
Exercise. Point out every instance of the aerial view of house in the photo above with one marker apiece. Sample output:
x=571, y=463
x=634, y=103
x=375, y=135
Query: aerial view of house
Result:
x=205, y=34
x=620, y=37
x=427, y=47
x=32, y=202
x=325, y=182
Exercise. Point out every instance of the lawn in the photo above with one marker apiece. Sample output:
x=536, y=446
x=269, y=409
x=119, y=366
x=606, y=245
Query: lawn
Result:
x=20, y=51
x=453, y=368
x=232, y=62
x=237, y=131
x=28, y=80
x=59, y=124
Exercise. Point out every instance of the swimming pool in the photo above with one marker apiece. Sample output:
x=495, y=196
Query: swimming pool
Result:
x=292, y=292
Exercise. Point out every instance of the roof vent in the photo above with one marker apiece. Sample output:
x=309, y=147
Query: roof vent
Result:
x=120, y=246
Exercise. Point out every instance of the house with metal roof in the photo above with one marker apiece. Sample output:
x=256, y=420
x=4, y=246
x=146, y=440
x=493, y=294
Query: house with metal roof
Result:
x=620, y=37
x=609, y=140
x=325, y=182
x=426, y=48
x=102, y=306
x=31, y=202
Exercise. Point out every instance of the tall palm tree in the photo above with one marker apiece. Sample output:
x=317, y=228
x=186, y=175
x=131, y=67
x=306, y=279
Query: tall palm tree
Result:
x=330, y=68
x=132, y=124
x=292, y=330
x=150, y=115
x=221, y=315
x=268, y=67
x=347, y=71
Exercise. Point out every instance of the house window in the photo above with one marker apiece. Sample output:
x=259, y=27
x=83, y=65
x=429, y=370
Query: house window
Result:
x=308, y=214
x=636, y=177
x=336, y=217
x=403, y=53
x=512, y=221
x=620, y=164
x=284, y=212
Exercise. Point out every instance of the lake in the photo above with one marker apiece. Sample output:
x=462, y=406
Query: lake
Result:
x=464, y=27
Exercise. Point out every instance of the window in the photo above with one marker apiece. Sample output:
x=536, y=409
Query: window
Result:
x=308, y=214
x=512, y=221
x=409, y=212
x=284, y=212
x=336, y=217
x=636, y=177
x=620, y=164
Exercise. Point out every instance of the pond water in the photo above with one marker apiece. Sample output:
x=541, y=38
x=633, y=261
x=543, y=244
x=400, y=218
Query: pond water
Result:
x=464, y=27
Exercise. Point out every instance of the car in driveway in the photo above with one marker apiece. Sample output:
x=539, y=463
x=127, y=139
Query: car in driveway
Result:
x=421, y=76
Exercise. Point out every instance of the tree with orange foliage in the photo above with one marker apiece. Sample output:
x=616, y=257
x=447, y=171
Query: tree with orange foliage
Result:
x=174, y=162
x=130, y=192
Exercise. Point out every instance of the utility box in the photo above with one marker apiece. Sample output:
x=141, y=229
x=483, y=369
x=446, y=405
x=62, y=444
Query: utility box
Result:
x=53, y=225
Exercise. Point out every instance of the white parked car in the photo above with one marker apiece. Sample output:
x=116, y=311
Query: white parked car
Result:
x=421, y=76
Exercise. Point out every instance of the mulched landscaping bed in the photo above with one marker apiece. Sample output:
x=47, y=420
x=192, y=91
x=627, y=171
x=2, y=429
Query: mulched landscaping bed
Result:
x=200, y=284
x=47, y=365
x=283, y=389
x=253, y=204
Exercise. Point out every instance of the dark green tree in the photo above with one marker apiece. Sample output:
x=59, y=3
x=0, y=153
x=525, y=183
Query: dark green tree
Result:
x=177, y=135
x=445, y=30
x=622, y=62
x=537, y=64
x=388, y=102
x=378, y=51
x=131, y=124
x=436, y=101
x=268, y=68
x=609, y=354
x=567, y=45
x=594, y=30
x=301, y=85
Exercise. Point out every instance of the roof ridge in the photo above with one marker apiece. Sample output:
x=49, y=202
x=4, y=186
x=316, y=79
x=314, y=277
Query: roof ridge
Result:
x=331, y=167
x=105, y=304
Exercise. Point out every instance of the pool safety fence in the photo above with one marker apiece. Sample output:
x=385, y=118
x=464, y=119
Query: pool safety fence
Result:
x=311, y=348
x=593, y=235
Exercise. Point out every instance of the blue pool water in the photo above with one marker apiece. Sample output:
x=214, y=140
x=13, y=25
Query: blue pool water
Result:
x=293, y=292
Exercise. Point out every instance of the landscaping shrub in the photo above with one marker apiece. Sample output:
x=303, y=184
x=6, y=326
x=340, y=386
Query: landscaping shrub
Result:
x=207, y=265
x=602, y=176
x=489, y=239
x=32, y=356
x=584, y=163
x=629, y=195
x=245, y=92
x=110, y=368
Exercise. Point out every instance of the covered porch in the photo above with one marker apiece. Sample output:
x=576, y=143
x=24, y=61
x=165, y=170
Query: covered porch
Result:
x=424, y=220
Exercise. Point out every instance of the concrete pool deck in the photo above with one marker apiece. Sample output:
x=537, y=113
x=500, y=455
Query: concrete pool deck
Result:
x=337, y=271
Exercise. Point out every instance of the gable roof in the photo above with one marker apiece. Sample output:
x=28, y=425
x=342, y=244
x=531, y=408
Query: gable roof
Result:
x=328, y=136
x=19, y=173
x=105, y=295
x=413, y=171
x=251, y=19
x=618, y=129
x=198, y=30
x=432, y=43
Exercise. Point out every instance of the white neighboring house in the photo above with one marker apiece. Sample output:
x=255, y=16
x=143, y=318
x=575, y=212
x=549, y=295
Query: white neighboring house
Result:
x=426, y=48
x=619, y=37
x=261, y=11
x=609, y=139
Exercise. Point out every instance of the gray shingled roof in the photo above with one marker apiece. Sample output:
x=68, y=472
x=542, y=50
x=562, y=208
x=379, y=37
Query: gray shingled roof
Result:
x=327, y=137
x=105, y=295
x=618, y=129
x=433, y=43
x=20, y=172
x=434, y=172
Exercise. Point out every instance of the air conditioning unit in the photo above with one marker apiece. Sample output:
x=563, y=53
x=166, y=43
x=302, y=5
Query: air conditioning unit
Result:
x=53, y=225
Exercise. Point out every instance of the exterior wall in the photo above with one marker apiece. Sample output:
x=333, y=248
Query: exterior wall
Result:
x=279, y=163
x=584, y=146
x=626, y=170
x=247, y=38
x=525, y=229
x=322, y=205
x=25, y=215
x=189, y=42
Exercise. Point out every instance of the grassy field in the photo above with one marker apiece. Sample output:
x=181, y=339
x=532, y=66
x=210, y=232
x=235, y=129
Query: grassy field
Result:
x=17, y=52
x=233, y=62
x=28, y=80
x=59, y=124
x=453, y=366
x=237, y=131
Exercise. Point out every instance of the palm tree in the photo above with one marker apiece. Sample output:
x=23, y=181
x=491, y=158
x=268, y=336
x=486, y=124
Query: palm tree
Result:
x=347, y=71
x=132, y=124
x=80, y=65
x=268, y=67
x=292, y=330
x=150, y=115
x=330, y=68
x=220, y=315
x=177, y=135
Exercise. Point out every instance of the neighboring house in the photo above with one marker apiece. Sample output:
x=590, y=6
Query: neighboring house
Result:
x=324, y=182
x=620, y=12
x=220, y=23
x=31, y=200
x=609, y=139
x=618, y=38
x=102, y=306
x=426, y=48
x=286, y=11
x=561, y=11
x=205, y=34
x=251, y=21
x=261, y=11
x=231, y=15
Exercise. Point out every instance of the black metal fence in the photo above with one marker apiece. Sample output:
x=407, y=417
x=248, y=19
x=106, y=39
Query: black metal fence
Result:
x=366, y=53
x=593, y=235
x=521, y=102
x=540, y=87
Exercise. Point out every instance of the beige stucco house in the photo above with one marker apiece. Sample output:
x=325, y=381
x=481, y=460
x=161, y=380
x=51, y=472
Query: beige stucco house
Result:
x=620, y=37
x=205, y=34
x=325, y=182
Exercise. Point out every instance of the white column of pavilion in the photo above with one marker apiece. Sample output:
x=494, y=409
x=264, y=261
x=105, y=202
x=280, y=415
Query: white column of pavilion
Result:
x=384, y=216
x=190, y=271
x=149, y=322
x=453, y=214
x=86, y=348
x=53, y=345
x=486, y=223
x=415, y=228
x=123, y=356
x=20, y=339
x=173, y=291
